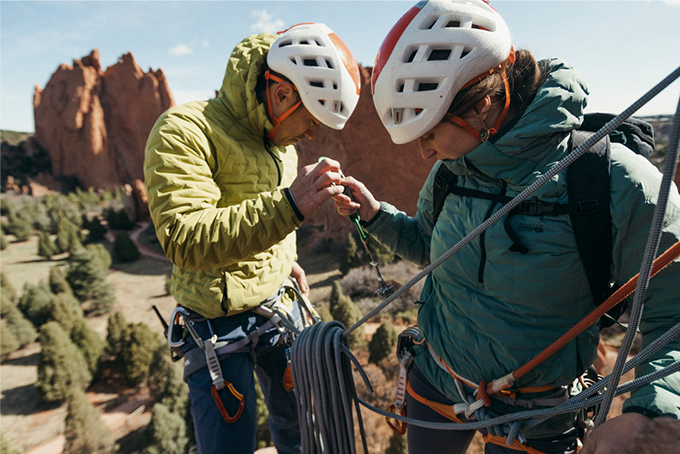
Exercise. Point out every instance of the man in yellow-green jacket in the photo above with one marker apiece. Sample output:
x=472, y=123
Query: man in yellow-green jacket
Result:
x=226, y=199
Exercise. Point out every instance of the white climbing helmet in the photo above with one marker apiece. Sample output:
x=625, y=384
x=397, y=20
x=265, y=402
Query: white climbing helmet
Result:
x=322, y=68
x=432, y=52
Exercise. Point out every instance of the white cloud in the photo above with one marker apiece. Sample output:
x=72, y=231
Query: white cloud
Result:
x=265, y=22
x=181, y=49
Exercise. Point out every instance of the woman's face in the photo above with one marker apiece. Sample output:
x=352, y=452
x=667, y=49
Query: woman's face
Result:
x=448, y=141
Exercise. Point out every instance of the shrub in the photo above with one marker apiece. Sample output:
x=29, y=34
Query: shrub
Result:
x=119, y=219
x=21, y=229
x=69, y=237
x=8, y=343
x=347, y=313
x=166, y=433
x=65, y=310
x=36, y=303
x=166, y=381
x=84, y=430
x=61, y=366
x=96, y=230
x=379, y=251
x=115, y=326
x=88, y=342
x=138, y=345
x=3, y=240
x=102, y=254
x=61, y=208
x=350, y=255
x=58, y=282
x=382, y=342
x=86, y=278
x=6, y=287
x=398, y=444
x=22, y=330
x=46, y=247
x=6, y=447
x=124, y=249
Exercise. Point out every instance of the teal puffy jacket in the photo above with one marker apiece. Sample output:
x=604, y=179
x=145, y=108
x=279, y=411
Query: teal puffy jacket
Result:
x=487, y=311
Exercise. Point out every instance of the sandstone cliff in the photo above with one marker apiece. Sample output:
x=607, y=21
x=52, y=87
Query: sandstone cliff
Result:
x=94, y=124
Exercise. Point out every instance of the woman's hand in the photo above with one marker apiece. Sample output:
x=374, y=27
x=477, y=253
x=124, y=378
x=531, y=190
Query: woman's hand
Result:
x=616, y=435
x=300, y=277
x=364, y=203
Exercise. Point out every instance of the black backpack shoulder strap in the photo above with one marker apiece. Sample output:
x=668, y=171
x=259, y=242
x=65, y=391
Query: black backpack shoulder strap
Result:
x=444, y=181
x=588, y=191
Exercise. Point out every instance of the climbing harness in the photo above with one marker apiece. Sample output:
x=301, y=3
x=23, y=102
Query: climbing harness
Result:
x=322, y=362
x=288, y=323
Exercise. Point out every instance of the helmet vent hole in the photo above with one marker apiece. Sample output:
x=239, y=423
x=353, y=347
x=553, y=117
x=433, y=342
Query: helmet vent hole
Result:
x=329, y=64
x=285, y=43
x=400, y=89
x=310, y=62
x=411, y=57
x=439, y=55
x=316, y=83
x=427, y=86
x=453, y=24
x=466, y=50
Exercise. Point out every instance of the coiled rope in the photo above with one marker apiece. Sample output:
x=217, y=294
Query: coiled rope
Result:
x=322, y=362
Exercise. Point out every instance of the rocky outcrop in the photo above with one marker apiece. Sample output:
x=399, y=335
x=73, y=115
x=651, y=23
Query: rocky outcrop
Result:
x=94, y=124
x=393, y=173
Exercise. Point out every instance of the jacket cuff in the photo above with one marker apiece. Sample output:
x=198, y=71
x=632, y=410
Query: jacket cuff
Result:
x=291, y=199
x=375, y=218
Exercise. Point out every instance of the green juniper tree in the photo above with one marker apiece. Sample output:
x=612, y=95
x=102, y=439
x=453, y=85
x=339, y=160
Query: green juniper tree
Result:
x=382, y=342
x=115, y=326
x=88, y=342
x=84, y=430
x=61, y=366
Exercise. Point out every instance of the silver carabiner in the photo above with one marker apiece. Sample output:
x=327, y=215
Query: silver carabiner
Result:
x=188, y=324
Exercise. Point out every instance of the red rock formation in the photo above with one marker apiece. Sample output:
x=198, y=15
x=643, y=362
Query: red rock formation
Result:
x=94, y=124
x=393, y=173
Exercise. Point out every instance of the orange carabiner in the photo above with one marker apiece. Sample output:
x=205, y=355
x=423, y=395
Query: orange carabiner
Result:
x=220, y=405
x=398, y=426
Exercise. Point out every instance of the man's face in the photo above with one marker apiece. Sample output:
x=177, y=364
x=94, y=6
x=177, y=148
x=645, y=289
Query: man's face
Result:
x=297, y=126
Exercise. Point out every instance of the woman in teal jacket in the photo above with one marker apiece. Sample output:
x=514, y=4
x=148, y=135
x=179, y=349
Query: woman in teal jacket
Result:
x=447, y=76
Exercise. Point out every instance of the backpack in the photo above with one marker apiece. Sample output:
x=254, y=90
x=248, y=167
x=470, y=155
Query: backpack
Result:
x=588, y=189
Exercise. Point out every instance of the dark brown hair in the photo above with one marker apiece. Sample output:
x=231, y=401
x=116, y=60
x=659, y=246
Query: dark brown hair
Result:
x=524, y=77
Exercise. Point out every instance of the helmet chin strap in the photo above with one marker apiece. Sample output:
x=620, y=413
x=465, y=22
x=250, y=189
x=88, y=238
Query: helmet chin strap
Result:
x=276, y=121
x=484, y=134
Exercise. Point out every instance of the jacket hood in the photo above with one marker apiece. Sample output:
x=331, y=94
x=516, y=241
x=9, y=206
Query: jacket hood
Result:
x=240, y=79
x=537, y=139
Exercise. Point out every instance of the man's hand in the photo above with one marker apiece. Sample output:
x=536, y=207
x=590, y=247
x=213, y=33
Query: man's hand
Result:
x=315, y=184
x=300, y=277
x=616, y=435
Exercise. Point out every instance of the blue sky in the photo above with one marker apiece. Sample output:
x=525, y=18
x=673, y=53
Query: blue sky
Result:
x=622, y=48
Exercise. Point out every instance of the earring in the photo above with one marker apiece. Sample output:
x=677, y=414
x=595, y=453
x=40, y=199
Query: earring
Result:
x=484, y=133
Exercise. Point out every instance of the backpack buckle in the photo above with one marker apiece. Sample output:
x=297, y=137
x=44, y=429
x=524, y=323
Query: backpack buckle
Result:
x=587, y=206
x=536, y=207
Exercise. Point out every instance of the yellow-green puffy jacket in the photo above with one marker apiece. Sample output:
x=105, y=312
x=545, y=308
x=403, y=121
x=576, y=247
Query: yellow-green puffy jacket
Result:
x=216, y=194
